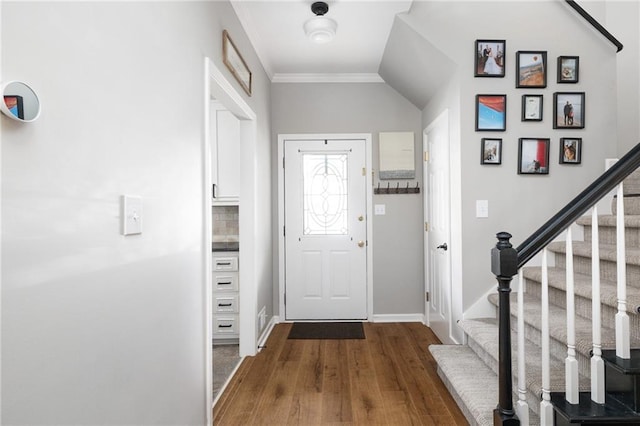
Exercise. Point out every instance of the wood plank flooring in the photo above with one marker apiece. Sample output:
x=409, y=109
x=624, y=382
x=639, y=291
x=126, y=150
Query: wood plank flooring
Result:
x=389, y=378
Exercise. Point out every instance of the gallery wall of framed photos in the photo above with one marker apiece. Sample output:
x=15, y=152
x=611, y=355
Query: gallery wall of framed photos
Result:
x=532, y=74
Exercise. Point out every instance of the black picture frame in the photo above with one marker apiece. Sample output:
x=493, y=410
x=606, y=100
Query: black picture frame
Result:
x=532, y=107
x=485, y=49
x=568, y=69
x=491, y=151
x=570, y=150
x=533, y=156
x=568, y=110
x=491, y=113
x=531, y=69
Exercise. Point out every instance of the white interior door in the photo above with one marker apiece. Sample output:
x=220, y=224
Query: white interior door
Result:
x=437, y=209
x=325, y=230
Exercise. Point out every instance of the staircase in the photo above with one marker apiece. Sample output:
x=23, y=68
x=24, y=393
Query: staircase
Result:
x=470, y=371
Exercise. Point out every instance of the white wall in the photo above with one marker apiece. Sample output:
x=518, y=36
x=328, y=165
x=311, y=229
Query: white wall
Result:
x=518, y=203
x=97, y=327
x=622, y=20
x=367, y=108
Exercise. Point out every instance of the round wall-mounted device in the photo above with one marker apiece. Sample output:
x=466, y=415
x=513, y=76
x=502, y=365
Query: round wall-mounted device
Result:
x=19, y=101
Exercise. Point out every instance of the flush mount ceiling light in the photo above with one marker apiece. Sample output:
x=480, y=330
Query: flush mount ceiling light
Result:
x=320, y=29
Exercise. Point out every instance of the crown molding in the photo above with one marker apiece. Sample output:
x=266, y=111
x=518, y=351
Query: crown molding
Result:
x=326, y=78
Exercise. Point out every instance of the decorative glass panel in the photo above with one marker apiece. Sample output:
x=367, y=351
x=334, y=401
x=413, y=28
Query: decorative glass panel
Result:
x=325, y=185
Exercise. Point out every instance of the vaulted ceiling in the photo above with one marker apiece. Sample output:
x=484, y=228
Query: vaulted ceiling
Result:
x=374, y=42
x=275, y=28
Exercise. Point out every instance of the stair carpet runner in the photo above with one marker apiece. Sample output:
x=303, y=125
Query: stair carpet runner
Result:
x=470, y=371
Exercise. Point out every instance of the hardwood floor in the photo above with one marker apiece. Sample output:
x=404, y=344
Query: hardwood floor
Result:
x=389, y=378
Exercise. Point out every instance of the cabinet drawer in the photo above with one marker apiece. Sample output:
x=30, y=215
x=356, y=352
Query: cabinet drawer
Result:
x=222, y=304
x=225, y=325
x=225, y=282
x=225, y=264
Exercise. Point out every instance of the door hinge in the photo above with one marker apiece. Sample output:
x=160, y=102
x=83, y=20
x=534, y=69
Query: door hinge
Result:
x=426, y=296
x=364, y=171
x=285, y=299
x=284, y=231
x=283, y=162
x=426, y=156
x=426, y=227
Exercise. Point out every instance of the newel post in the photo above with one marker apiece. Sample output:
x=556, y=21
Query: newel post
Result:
x=504, y=265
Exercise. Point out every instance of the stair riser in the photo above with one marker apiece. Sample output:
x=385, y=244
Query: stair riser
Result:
x=532, y=399
x=557, y=348
x=558, y=297
x=452, y=390
x=607, y=235
x=631, y=205
x=631, y=184
x=608, y=269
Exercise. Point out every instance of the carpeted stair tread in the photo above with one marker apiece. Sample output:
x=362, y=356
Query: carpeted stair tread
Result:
x=484, y=332
x=558, y=324
x=583, y=287
x=630, y=221
x=476, y=393
x=607, y=251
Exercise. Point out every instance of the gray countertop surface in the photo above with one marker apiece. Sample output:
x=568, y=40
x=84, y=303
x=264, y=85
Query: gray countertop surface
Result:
x=225, y=246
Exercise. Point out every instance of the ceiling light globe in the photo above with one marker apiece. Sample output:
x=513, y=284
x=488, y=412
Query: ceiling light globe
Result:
x=320, y=29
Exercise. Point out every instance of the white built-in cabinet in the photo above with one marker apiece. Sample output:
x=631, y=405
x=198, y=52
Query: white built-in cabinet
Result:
x=226, y=287
x=225, y=156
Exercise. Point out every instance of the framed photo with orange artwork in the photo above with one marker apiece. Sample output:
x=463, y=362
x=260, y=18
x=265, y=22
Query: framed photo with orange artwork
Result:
x=491, y=113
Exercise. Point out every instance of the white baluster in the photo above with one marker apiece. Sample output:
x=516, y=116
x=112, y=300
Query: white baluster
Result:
x=570, y=363
x=522, y=408
x=622, y=319
x=546, y=409
x=597, y=364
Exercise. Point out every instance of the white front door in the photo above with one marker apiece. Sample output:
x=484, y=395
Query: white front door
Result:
x=325, y=230
x=438, y=264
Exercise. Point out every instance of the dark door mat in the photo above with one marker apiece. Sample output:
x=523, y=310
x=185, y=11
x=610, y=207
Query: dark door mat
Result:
x=327, y=330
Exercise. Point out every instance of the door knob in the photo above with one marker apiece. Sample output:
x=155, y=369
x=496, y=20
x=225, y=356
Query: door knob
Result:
x=442, y=246
x=360, y=243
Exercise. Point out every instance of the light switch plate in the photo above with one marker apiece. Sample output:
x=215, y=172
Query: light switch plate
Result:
x=482, y=208
x=379, y=209
x=131, y=215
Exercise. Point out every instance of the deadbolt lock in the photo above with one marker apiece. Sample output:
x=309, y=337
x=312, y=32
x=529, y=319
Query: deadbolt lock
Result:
x=360, y=218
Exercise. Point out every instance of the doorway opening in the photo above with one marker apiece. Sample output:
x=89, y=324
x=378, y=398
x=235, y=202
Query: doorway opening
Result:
x=324, y=212
x=219, y=91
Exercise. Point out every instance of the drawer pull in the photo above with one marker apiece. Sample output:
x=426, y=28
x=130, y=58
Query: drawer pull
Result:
x=224, y=263
x=224, y=283
x=225, y=326
x=225, y=304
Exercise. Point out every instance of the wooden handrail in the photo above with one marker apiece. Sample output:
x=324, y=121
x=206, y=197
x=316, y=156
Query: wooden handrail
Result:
x=578, y=206
x=595, y=24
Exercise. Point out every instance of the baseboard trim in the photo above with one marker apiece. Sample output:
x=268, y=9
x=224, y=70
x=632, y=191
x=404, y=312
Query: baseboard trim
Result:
x=398, y=318
x=267, y=331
